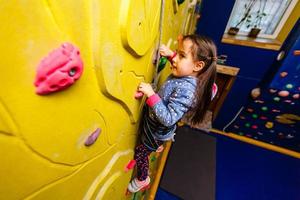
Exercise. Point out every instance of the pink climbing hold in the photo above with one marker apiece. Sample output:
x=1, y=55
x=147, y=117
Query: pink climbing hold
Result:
x=59, y=70
x=138, y=95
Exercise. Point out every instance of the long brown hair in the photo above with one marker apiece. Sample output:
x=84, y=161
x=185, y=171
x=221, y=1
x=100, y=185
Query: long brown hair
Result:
x=203, y=49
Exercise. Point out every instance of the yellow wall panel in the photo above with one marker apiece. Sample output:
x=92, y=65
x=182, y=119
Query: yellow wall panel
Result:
x=24, y=171
x=42, y=137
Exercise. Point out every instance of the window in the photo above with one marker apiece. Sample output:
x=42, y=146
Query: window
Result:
x=268, y=15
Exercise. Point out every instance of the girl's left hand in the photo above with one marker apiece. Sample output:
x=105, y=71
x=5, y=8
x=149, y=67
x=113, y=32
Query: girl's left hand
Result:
x=146, y=88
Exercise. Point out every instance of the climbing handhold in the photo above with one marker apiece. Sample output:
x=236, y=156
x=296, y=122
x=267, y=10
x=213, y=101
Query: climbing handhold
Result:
x=250, y=110
x=269, y=125
x=138, y=95
x=259, y=101
x=130, y=165
x=290, y=136
x=93, y=137
x=162, y=63
x=296, y=96
x=283, y=74
x=283, y=93
x=254, y=127
x=289, y=86
x=180, y=1
x=276, y=99
x=272, y=90
x=263, y=118
x=59, y=70
x=248, y=124
x=264, y=108
x=276, y=111
x=255, y=93
x=287, y=118
x=254, y=116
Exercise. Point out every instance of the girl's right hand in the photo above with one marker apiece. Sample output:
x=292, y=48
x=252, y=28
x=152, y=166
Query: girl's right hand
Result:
x=165, y=51
x=146, y=88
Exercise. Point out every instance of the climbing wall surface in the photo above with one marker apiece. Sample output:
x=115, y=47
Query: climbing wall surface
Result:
x=68, y=75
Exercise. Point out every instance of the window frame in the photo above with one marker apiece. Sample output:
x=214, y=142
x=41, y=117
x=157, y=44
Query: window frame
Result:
x=279, y=27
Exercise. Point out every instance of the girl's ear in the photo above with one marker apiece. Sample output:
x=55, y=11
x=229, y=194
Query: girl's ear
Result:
x=199, y=66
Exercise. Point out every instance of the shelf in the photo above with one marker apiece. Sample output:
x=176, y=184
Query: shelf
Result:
x=223, y=69
x=262, y=43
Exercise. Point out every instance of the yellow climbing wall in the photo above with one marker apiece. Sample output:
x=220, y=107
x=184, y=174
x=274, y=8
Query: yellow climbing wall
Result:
x=42, y=151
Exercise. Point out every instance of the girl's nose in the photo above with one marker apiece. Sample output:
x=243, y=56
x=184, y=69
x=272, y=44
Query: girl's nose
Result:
x=174, y=60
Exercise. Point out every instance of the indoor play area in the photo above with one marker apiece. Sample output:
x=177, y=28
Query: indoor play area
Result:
x=70, y=110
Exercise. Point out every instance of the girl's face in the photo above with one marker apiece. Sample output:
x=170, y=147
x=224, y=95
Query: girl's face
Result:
x=183, y=63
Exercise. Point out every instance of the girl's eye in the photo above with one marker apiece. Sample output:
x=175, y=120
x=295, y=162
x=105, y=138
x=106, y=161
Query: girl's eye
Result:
x=181, y=55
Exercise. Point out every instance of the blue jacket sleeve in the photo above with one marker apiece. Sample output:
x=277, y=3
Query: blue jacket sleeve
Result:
x=168, y=113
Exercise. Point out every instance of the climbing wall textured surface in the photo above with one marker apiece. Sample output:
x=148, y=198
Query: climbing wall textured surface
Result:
x=74, y=140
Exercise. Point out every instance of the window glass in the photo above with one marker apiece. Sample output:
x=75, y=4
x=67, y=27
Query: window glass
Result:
x=263, y=14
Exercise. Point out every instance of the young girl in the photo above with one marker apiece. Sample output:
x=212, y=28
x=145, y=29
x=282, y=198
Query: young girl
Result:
x=186, y=93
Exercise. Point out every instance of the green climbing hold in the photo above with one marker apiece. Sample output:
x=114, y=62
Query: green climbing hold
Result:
x=248, y=125
x=276, y=99
x=153, y=158
x=162, y=63
x=264, y=108
x=254, y=116
x=180, y=1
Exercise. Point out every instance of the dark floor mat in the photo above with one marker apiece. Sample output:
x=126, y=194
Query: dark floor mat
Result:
x=190, y=169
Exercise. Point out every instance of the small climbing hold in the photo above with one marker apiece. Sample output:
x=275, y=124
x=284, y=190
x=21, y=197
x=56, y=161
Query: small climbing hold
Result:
x=276, y=111
x=138, y=95
x=289, y=86
x=283, y=74
x=264, y=108
x=263, y=118
x=162, y=63
x=250, y=110
x=254, y=127
x=272, y=90
x=283, y=93
x=296, y=96
x=254, y=116
x=255, y=93
x=180, y=1
x=130, y=165
x=277, y=99
x=93, y=137
x=269, y=125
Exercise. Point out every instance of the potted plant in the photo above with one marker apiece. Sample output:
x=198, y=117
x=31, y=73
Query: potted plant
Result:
x=246, y=17
x=259, y=15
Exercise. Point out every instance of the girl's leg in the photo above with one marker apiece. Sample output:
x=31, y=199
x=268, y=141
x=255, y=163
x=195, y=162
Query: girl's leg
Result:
x=142, y=165
x=142, y=161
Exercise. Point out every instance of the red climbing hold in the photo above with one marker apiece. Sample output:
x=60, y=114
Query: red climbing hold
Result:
x=130, y=165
